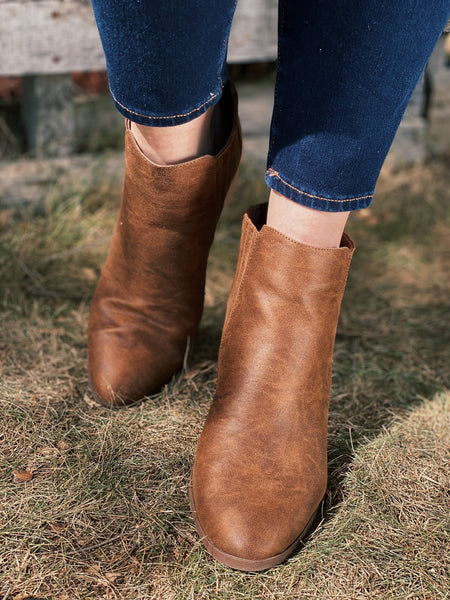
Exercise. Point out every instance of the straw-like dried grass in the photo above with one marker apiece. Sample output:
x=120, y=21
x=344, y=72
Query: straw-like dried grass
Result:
x=106, y=515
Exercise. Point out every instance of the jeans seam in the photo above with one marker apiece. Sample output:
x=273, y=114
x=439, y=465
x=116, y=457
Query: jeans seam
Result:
x=281, y=27
x=272, y=173
x=225, y=44
x=133, y=112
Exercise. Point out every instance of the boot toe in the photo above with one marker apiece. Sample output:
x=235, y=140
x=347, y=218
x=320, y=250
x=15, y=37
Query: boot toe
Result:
x=246, y=532
x=121, y=376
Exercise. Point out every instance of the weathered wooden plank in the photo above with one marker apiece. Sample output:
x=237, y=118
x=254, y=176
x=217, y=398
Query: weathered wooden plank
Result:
x=59, y=36
x=48, y=36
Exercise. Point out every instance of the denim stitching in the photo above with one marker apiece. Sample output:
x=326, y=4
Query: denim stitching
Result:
x=170, y=116
x=273, y=173
x=210, y=99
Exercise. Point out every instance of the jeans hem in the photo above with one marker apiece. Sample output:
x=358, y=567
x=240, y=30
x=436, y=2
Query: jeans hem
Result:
x=318, y=202
x=167, y=120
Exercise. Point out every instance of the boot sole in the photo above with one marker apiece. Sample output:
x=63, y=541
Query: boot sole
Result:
x=245, y=564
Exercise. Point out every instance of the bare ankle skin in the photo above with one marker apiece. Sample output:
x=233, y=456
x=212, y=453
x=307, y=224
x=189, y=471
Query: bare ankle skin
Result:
x=305, y=225
x=179, y=143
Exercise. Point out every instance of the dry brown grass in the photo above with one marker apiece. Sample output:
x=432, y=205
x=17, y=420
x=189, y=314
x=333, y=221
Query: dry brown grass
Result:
x=106, y=514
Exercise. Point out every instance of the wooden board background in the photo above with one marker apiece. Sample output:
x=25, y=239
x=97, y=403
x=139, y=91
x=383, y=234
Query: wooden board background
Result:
x=59, y=36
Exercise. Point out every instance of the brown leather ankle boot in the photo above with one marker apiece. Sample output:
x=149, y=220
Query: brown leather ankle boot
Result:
x=149, y=299
x=260, y=469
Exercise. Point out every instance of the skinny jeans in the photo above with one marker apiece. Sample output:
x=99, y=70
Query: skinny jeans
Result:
x=346, y=70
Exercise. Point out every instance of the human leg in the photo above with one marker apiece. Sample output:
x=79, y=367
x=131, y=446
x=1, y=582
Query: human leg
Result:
x=345, y=75
x=149, y=299
x=177, y=144
x=304, y=224
x=165, y=60
x=334, y=120
x=344, y=80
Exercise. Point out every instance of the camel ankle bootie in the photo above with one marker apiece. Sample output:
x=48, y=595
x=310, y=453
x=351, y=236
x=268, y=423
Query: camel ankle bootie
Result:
x=149, y=299
x=260, y=469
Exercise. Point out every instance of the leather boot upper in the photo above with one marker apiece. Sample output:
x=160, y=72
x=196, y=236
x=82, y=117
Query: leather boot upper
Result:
x=260, y=469
x=149, y=299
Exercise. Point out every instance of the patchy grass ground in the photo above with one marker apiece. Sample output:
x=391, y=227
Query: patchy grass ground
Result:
x=106, y=516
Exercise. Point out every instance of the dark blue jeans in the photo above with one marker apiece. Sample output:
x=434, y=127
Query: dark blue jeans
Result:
x=346, y=70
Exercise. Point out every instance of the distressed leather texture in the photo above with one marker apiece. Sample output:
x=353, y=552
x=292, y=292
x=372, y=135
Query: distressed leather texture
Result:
x=260, y=470
x=149, y=299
